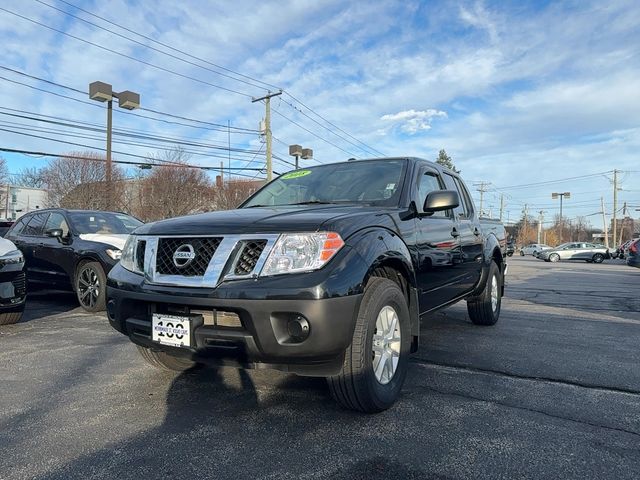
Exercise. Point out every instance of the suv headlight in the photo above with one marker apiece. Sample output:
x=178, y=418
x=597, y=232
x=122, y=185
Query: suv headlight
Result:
x=301, y=252
x=14, y=256
x=128, y=258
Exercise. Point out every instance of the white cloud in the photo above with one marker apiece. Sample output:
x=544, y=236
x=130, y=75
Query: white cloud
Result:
x=413, y=121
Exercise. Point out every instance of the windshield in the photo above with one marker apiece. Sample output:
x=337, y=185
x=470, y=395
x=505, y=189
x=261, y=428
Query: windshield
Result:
x=376, y=182
x=103, y=222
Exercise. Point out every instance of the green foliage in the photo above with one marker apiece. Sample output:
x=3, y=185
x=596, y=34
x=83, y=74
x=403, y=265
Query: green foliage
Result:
x=446, y=161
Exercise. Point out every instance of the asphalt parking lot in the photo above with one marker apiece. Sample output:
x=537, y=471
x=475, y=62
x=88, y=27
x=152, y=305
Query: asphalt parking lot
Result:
x=552, y=391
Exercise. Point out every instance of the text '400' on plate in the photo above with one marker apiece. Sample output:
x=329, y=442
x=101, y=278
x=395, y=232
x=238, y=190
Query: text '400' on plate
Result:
x=171, y=330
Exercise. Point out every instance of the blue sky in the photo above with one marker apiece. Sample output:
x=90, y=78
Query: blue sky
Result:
x=516, y=92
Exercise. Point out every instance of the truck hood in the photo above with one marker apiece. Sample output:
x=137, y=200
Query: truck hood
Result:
x=295, y=218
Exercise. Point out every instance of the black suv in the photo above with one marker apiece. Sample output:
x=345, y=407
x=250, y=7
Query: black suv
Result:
x=72, y=248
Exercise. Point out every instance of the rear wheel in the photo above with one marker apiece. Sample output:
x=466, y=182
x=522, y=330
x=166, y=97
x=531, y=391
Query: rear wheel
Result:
x=598, y=258
x=376, y=362
x=91, y=283
x=165, y=361
x=554, y=257
x=485, y=308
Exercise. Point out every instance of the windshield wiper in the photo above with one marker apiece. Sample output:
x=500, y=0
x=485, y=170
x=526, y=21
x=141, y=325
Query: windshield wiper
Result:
x=312, y=202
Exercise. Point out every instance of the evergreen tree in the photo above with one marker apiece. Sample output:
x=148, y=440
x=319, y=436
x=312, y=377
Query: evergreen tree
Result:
x=446, y=161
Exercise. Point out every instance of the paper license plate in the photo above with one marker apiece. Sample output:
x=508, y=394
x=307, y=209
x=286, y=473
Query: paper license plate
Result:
x=171, y=330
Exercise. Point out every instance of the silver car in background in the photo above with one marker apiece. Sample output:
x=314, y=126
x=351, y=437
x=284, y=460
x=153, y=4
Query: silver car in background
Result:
x=587, y=252
x=533, y=249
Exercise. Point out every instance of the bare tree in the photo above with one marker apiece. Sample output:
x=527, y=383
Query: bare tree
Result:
x=30, y=177
x=173, y=189
x=4, y=180
x=233, y=193
x=77, y=181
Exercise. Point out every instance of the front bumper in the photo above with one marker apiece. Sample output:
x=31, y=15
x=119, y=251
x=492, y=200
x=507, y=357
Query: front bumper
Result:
x=13, y=288
x=262, y=339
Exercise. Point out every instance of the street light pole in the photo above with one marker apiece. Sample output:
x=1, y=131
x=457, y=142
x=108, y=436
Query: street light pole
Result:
x=297, y=151
x=561, y=195
x=128, y=100
x=109, y=195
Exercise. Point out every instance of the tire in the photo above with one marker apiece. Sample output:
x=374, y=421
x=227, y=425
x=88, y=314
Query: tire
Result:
x=165, y=361
x=90, y=286
x=521, y=253
x=357, y=386
x=10, y=317
x=554, y=257
x=485, y=308
x=510, y=254
x=598, y=258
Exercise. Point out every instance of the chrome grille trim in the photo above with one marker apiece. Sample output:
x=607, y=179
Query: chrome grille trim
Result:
x=219, y=268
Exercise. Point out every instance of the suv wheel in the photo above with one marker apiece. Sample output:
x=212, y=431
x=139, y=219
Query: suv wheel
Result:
x=485, y=308
x=91, y=283
x=376, y=362
x=165, y=361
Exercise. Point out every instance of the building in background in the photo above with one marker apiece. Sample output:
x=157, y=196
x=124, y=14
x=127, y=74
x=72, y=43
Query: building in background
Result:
x=15, y=201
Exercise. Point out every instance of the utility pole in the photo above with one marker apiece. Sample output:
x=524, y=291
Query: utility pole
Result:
x=501, y=206
x=267, y=123
x=540, y=220
x=482, y=187
x=526, y=213
x=615, y=206
x=604, y=223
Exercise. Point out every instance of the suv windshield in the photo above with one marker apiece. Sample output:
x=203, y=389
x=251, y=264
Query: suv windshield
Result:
x=376, y=182
x=103, y=222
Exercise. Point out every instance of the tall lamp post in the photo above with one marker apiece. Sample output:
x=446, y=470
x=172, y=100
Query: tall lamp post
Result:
x=299, y=152
x=103, y=92
x=562, y=195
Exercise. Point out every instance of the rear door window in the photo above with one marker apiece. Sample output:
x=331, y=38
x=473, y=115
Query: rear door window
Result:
x=35, y=227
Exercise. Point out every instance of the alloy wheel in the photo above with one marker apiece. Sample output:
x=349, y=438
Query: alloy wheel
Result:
x=88, y=287
x=386, y=345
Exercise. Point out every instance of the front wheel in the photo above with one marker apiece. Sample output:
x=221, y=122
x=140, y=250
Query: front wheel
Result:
x=165, y=361
x=485, y=308
x=376, y=362
x=554, y=257
x=10, y=317
x=598, y=258
x=521, y=253
x=91, y=283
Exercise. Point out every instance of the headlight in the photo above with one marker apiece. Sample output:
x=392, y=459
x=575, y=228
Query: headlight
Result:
x=301, y=252
x=114, y=253
x=14, y=256
x=128, y=255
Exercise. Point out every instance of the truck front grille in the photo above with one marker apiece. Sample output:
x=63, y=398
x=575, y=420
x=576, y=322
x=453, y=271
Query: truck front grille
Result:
x=248, y=257
x=203, y=248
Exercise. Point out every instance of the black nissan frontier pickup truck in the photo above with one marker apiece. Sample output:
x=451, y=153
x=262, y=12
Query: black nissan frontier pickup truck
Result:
x=325, y=271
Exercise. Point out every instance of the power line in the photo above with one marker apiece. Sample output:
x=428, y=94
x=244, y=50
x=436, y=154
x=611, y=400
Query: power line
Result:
x=124, y=162
x=367, y=147
x=549, y=182
x=157, y=42
x=220, y=127
x=124, y=55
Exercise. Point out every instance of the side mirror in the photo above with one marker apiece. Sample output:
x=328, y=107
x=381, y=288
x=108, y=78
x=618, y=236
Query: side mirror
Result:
x=441, y=200
x=55, y=233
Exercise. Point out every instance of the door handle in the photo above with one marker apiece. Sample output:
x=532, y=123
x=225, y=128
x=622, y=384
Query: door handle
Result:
x=455, y=233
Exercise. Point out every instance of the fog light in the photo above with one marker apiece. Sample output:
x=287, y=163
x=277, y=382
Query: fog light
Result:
x=298, y=328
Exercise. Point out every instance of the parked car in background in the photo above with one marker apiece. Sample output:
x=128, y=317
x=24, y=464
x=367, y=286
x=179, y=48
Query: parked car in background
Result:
x=510, y=249
x=589, y=252
x=620, y=251
x=13, y=286
x=5, y=225
x=533, y=248
x=73, y=249
x=632, y=253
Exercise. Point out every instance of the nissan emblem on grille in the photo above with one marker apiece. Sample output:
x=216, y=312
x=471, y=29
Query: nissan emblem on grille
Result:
x=184, y=255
